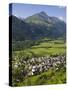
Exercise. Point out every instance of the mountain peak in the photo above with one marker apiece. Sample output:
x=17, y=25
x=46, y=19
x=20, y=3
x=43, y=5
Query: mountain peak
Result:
x=42, y=12
x=43, y=15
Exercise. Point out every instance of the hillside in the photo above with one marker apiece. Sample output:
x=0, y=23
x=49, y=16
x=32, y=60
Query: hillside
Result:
x=37, y=26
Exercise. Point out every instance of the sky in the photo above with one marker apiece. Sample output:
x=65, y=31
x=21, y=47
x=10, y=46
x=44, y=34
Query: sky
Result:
x=25, y=10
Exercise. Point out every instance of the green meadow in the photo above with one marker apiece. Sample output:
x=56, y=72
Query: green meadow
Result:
x=43, y=49
x=46, y=78
x=56, y=47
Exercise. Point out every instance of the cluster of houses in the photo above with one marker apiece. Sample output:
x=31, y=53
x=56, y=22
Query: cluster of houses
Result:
x=35, y=66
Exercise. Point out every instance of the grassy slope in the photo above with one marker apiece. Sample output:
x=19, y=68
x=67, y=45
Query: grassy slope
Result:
x=49, y=77
x=44, y=49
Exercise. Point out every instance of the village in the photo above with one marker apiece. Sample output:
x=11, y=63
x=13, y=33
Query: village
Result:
x=35, y=66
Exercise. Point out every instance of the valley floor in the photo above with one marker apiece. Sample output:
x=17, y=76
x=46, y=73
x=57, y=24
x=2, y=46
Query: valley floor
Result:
x=41, y=64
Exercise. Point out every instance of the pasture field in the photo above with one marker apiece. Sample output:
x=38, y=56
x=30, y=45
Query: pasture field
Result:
x=52, y=48
x=46, y=78
x=56, y=47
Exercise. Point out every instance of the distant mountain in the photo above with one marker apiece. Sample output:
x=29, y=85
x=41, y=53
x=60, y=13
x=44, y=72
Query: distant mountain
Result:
x=37, y=26
x=38, y=18
x=41, y=17
x=20, y=30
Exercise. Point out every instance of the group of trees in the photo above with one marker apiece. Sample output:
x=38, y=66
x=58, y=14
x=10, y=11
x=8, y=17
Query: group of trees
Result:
x=21, y=45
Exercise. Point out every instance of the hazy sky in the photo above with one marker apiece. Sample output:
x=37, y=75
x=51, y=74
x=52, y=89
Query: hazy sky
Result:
x=25, y=10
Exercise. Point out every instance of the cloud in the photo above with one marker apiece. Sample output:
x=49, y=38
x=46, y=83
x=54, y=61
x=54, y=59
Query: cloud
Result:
x=61, y=18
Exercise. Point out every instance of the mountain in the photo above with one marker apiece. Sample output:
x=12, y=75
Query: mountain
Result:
x=41, y=17
x=37, y=26
x=38, y=18
x=20, y=30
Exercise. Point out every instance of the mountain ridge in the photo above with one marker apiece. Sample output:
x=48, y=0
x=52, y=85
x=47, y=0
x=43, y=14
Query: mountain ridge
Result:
x=43, y=16
x=37, y=26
